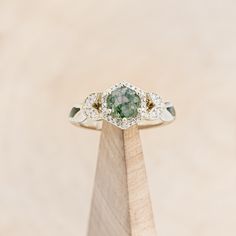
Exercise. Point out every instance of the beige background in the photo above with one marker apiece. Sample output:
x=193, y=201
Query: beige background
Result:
x=55, y=52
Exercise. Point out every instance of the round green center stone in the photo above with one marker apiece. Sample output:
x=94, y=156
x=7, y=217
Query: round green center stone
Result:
x=124, y=103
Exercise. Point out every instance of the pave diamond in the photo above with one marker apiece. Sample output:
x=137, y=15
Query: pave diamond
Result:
x=156, y=106
x=91, y=108
x=123, y=103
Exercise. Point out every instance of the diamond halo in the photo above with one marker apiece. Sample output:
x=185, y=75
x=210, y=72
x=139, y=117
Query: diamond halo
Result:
x=125, y=122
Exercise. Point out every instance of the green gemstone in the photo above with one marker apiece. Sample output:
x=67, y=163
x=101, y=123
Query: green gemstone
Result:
x=124, y=103
x=171, y=110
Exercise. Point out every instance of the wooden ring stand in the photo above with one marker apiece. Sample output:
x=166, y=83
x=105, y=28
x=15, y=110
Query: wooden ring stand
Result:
x=121, y=203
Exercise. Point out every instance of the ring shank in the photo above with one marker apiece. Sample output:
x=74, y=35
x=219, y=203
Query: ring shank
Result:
x=79, y=119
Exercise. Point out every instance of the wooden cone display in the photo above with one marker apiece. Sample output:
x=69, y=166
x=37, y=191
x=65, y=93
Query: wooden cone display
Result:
x=121, y=203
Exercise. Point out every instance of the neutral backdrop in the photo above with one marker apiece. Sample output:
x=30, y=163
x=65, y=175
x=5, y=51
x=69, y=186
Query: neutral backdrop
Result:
x=55, y=52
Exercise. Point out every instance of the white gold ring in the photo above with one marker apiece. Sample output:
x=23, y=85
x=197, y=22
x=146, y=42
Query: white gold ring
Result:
x=123, y=105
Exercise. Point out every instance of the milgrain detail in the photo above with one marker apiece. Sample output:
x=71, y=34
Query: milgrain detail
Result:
x=121, y=203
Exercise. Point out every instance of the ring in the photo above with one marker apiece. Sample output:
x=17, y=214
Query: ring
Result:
x=123, y=105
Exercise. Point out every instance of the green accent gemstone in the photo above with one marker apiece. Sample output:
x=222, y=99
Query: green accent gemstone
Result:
x=74, y=111
x=124, y=103
x=171, y=110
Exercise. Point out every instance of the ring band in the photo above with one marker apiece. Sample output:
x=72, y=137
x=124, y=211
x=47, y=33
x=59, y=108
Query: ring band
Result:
x=123, y=105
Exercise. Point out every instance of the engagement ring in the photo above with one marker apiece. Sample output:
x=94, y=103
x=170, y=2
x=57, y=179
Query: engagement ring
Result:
x=123, y=105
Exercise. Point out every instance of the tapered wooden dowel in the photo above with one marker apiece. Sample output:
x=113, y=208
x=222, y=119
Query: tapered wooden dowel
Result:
x=121, y=203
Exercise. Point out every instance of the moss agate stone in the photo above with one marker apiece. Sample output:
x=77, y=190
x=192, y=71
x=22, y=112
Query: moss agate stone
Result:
x=123, y=103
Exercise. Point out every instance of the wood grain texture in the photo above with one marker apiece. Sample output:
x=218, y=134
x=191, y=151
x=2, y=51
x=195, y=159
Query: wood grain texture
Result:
x=54, y=53
x=121, y=203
